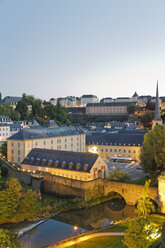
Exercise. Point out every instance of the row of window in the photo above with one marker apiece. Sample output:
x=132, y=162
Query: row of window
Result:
x=3, y=134
x=117, y=150
x=4, y=129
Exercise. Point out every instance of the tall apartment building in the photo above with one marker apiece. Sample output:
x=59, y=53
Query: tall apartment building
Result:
x=67, y=138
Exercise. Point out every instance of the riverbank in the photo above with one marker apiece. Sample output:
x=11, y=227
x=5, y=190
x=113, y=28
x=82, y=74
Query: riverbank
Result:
x=51, y=205
x=110, y=237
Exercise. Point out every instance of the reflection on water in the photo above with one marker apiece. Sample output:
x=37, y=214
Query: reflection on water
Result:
x=96, y=217
x=61, y=226
x=48, y=233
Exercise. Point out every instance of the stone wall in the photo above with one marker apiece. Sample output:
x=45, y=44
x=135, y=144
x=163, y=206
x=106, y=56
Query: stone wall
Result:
x=63, y=186
x=95, y=188
x=25, y=178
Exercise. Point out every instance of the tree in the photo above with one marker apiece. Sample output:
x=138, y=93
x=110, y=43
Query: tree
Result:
x=3, y=149
x=0, y=96
x=22, y=109
x=131, y=108
x=140, y=233
x=150, y=105
x=146, y=120
x=29, y=205
x=10, y=199
x=152, y=154
x=145, y=205
x=118, y=175
x=9, y=239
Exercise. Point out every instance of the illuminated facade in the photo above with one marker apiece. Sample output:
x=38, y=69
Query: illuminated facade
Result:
x=121, y=144
x=74, y=165
x=60, y=138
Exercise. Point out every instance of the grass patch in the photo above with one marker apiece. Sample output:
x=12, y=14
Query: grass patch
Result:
x=101, y=242
x=117, y=228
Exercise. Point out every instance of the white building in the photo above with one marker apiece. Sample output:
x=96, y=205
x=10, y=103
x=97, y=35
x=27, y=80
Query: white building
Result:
x=85, y=99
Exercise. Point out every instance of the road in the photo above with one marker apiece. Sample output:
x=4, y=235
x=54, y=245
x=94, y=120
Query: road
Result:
x=130, y=168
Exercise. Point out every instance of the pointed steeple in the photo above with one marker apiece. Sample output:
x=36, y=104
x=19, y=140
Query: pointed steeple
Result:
x=157, y=105
x=157, y=119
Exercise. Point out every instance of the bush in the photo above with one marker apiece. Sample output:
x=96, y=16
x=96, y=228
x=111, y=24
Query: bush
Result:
x=8, y=239
x=118, y=175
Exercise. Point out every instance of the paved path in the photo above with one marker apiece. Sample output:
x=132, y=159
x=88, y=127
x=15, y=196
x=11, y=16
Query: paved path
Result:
x=84, y=238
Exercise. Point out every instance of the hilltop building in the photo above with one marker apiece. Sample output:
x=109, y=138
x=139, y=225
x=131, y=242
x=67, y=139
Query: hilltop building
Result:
x=74, y=165
x=111, y=108
x=85, y=99
x=66, y=138
x=12, y=100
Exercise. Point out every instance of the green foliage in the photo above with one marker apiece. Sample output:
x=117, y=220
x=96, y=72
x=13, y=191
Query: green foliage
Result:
x=118, y=175
x=9, y=239
x=139, y=233
x=145, y=205
x=150, y=105
x=6, y=109
x=29, y=205
x=22, y=109
x=3, y=171
x=3, y=149
x=16, y=204
x=153, y=151
x=146, y=120
x=9, y=199
x=131, y=108
x=41, y=111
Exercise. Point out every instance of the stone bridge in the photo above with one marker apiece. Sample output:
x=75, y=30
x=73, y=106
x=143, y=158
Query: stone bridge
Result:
x=130, y=192
x=92, y=189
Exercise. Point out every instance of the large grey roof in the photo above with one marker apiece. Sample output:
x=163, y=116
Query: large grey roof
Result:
x=7, y=118
x=10, y=99
x=28, y=133
x=130, y=138
x=88, y=96
x=83, y=158
x=108, y=104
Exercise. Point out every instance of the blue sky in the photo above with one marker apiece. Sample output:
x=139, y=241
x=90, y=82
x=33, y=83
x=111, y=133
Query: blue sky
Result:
x=52, y=48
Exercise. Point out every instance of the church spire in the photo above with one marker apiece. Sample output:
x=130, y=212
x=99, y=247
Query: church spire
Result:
x=157, y=119
x=157, y=105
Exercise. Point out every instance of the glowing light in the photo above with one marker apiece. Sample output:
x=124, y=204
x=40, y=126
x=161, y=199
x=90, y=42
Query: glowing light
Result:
x=75, y=228
x=93, y=149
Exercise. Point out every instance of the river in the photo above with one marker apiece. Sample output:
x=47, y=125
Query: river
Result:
x=62, y=225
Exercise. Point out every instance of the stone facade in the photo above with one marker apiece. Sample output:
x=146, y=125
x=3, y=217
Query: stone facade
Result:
x=98, y=187
x=78, y=166
x=108, y=151
x=17, y=149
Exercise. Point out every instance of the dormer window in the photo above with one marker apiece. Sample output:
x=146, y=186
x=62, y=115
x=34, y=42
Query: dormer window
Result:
x=63, y=164
x=78, y=166
x=31, y=159
x=44, y=161
x=37, y=160
x=50, y=162
x=71, y=165
x=56, y=162
x=86, y=166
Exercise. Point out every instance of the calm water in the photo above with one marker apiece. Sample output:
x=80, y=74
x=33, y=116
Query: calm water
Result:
x=61, y=226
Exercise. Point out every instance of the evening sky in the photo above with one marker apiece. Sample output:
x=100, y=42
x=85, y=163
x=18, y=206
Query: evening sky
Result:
x=52, y=48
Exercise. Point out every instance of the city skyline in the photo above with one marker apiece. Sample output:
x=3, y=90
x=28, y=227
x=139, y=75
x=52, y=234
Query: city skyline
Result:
x=62, y=48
